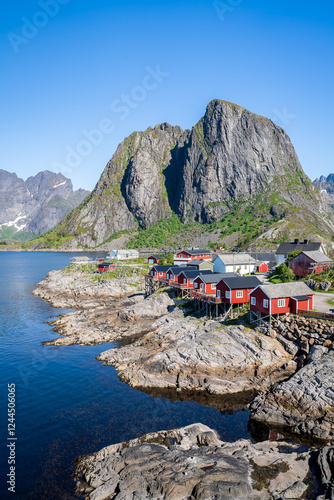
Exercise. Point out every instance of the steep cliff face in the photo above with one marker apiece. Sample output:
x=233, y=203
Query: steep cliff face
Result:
x=131, y=192
x=37, y=204
x=231, y=155
x=230, y=160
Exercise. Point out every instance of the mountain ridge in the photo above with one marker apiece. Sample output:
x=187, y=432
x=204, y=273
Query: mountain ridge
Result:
x=34, y=206
x=231, y=160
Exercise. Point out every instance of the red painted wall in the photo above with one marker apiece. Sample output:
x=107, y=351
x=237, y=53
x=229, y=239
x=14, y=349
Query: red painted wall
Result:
x=207, y=286
x=104, y=269
x=234, y=299
x=301, y=263
x=273, y=304
x=263, y=268
x=186, y=255
x=259, y=295
x=181, y=279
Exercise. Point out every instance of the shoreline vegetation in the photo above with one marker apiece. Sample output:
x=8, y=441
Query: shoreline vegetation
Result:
x=165, y=348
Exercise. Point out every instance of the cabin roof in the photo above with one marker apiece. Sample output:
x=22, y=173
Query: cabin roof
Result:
x=195, y=251
x=198, y=262
x=193, y=273
x=236, y=259
x=282, y=290
x=242, y=282
x=161, y=267
x=316, y=256
x=263, y=256
x=286, y=248
x=301, y=297
x=177, y=269
x=215, y=277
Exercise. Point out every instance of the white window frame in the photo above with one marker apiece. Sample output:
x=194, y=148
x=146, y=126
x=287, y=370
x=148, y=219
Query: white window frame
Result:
x=213, y=286
x=184, y=281
x=265, y=303
x=281, y=303
x=228, y=294
x=239, y=294
x=253, y=301
x=160, y=273
x=195, y=284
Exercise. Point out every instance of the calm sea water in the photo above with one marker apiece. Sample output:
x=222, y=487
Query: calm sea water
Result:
x=67, y=403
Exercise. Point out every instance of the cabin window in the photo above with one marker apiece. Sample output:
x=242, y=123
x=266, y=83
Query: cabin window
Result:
x=184, y=281
x=213, y=286
x=281, y=303
x=160, y=274
x=265, y=303
x=202, y=287
x=155, y=273
x=218, y=294
x=228, y=295
x=240, y=293
x=253, y=301
x=191, y=282
x=195, y=284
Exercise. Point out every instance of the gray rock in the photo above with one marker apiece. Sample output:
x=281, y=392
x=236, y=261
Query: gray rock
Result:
x=305, y=402
x=294, y=491
x=325, y=285
x=152, y=307
x=153, y=468
x=316, y=352
x=183, y=354
x=325, y=466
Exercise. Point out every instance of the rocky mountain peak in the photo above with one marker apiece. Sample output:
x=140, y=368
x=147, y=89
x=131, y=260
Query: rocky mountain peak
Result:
x=231, y=159
x=37, y=204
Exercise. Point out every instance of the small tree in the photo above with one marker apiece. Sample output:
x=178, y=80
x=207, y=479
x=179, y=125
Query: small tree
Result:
x=282, y=274
x=292, y=255
x=170, y=258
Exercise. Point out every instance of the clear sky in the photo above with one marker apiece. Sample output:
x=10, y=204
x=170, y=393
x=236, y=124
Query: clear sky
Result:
x=77, y=76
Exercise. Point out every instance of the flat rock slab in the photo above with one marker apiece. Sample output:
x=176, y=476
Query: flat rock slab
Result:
x=193, y=463
x=186, y=354
x=305, y=402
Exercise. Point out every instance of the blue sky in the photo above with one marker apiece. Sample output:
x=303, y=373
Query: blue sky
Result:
x=78, y=76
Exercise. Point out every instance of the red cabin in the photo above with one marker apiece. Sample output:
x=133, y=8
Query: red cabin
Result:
x=236, y=290
x=206, y=283
x=103, y=267
x=262, y=267
x=157, y=259
x=310, y=262
x=194, y=254
x=187, y=277
x=281, y=298
x=173, y=272
x=159, y=271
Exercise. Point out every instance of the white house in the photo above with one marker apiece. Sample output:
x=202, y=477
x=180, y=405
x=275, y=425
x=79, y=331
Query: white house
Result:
x=123, y=254
x=285, y=248
x=243, y=263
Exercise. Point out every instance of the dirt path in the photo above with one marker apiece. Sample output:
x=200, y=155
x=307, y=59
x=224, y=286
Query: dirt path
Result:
x=320, y=301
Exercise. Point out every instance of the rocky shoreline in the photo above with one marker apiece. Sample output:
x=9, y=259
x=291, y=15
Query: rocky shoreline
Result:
x=166, y=351
x=193, y=463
